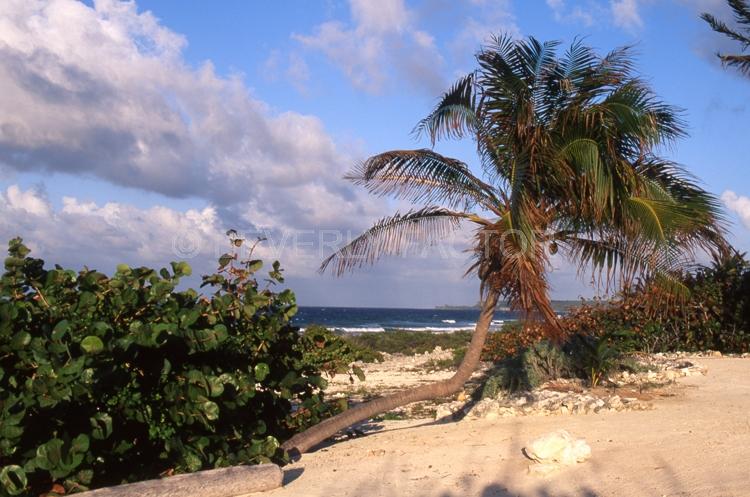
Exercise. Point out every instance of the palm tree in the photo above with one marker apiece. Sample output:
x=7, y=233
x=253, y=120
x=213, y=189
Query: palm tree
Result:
x=567, y=144
x=741, y=34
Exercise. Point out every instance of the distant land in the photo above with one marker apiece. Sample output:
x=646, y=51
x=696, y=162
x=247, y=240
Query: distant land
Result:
x=557, y=305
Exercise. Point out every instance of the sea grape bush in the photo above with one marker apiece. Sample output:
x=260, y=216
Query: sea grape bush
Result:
x=107, y=379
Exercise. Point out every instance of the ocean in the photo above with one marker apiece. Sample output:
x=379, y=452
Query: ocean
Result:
x=369, y=320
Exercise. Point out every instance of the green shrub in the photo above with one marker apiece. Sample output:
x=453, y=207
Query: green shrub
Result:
x=715, y=315
x=410, y=342
x=111, y=379
x=325, y=351
x=594, y=357
x=507, y=375
x=545, y=361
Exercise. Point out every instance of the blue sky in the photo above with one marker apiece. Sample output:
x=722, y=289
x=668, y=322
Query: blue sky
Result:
x=140, y=132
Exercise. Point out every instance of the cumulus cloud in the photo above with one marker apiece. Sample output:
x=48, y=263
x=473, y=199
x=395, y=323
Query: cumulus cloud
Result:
x=739, y=204
x=105, y=91
x=81, y=233
x=100, y=236
x=625, y=14
x=381, y=42
x=116, y=232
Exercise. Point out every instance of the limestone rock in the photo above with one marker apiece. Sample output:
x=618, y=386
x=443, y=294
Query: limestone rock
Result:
x=558, y=447
x=443, y=412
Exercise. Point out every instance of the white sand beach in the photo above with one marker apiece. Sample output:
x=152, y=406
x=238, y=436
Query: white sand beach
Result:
x=694, y=443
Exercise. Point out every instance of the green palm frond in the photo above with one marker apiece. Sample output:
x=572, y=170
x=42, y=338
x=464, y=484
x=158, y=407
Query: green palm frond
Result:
x=455, y=116
x=423, y=176
x=584, y=156
x=395, y=235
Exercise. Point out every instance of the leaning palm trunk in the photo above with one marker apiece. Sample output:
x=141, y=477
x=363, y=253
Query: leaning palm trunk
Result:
x=320, y=432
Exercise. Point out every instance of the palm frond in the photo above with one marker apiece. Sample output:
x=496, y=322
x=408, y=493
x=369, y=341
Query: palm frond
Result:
x=394, y=236
x=741, y=62
x=741, y=11
x=621, y=258
x=455, y=116
x=423, y=176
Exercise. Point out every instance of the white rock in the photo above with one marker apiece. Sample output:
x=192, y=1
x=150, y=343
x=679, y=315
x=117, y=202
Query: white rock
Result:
x=615, y=402
x=558, y=447
x=443, y=412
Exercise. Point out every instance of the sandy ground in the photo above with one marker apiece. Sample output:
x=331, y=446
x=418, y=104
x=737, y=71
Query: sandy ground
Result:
x=696, y=443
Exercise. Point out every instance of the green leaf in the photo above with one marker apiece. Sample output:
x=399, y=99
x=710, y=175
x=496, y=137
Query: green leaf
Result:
x=210, y=410
x=101, y=423
x=261, y=371
x=358, y=373
x=224, y=260
x=60, y=329
x=182, y=268
x=21, y=340
x=254, y=265
x=13, y=479
x=92, y=344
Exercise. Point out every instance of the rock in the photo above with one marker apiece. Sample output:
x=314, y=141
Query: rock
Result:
x=715, y=353
x=615, y=402
x=558, y=447
x=443, y=412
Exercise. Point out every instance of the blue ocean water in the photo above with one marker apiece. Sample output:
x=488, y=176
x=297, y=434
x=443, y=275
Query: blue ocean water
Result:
x=363, y=320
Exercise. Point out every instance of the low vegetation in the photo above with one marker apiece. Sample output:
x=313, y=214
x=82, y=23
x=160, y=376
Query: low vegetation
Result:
x=333, y=354
x=109, y=379
x=410, y=342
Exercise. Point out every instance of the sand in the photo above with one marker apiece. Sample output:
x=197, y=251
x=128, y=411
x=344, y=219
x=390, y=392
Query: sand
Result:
x=695, y=443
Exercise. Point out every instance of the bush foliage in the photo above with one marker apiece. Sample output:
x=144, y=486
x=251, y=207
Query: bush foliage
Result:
x=715, y=315
x=332, y=354
x=111, y=379
x=410, y=342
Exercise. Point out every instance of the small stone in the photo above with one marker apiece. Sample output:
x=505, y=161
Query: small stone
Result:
x=615, y=402
x=715, y=353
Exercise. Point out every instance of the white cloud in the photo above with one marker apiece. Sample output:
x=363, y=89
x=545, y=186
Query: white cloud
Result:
x=575, y=14
x=383, y=44
x=625, y=14
x=81, y=233
x=293, y=70
x=105, y=91
x=491, y=18
x=739, y=204
x=26, y=202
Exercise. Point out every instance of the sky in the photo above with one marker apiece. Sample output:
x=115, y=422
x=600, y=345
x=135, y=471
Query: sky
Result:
x=140, y=132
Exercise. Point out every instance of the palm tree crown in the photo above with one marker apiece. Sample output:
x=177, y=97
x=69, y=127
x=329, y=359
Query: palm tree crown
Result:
x=568, y=145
